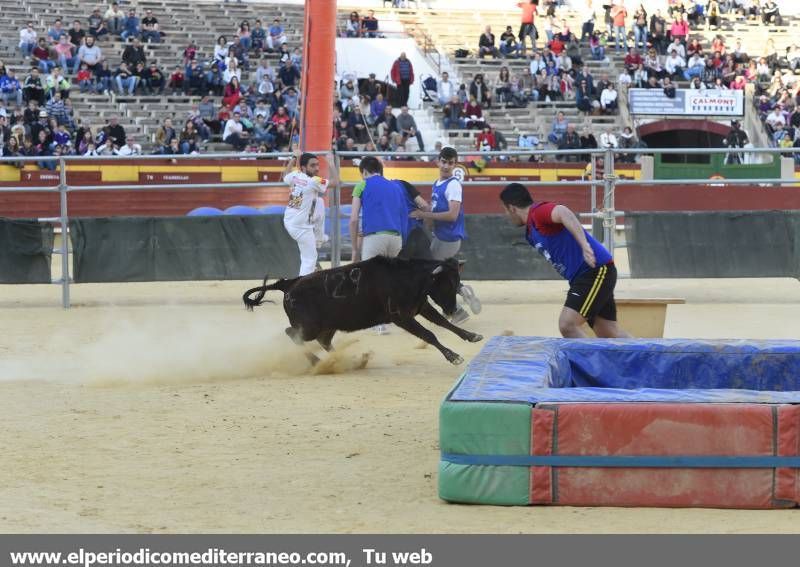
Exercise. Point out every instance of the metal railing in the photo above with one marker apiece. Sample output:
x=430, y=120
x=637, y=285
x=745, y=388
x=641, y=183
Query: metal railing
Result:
x=605, y=214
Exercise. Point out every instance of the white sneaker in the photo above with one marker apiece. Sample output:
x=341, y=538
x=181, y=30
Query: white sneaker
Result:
x=472, y=300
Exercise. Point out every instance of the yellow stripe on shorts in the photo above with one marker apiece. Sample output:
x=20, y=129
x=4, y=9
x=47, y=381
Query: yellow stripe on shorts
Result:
x=598, y=281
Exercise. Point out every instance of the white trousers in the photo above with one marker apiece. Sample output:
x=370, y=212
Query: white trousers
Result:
x=307, y=243
x=388, y=245
x=310, y=238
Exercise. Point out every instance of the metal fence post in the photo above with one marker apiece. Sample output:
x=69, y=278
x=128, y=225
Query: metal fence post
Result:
x=62, y=192
x=609, y=218
x=336, y=211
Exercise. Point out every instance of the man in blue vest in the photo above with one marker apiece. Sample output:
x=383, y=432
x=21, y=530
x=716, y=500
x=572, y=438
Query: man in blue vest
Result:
x=447, y=215
x=385, y=213
x=557, y=234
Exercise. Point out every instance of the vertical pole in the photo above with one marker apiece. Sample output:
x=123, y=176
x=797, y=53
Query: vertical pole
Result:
x=62, y=192
x=336, y=215
x=609, y=219
x=595, y=222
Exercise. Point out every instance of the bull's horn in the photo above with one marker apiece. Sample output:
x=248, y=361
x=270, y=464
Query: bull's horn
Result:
x=437, y=270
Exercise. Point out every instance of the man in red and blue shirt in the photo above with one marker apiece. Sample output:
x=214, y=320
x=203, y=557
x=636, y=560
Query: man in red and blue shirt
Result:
x=558, y=236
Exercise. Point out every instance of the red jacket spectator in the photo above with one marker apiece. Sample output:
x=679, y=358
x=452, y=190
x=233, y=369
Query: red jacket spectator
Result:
x=395, y=73
x=485, y=138
x=232, y=94
x=556, y=46
x=633, y=60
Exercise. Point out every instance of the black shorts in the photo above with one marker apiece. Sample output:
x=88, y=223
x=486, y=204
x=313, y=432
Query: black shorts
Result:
x=592, y=294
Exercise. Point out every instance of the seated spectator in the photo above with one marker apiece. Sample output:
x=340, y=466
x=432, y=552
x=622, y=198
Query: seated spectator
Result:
x=608, y=99
x=116, y=133
x=669, y=88
x=445, y=89
x=133, y=54
x=85, y=79
x=76, y=35
x=259, y=38
x=171, y=149
x=625, y=80
x=369, y=25
x=262, y=131
x=28, y=39
x=234, y=133
x=221, y=50
x=408, y=128
x=454, y=114
x=288, y=74
x=115, y=18
x=570, y=141
x=770, y=13
x=195, y=79
x=376, y=109
x=124, y=79
x=154, y=80
x=55, y=82
x=129, y=148
x=509, y=46
x=150, y=31
x=291, y=100
x=588, y=141
x=131, y=27
x=177, y=81
x=473, y=114
x=65, y=53
x=189, y=139
x=710, y=75
x=486, y=44
x=352, y=27
x=238, y=50
x=596, y=48
x=231, y=70
x=97, y=25
x=276, y=36
x=245, y=36
x=56, y=31
x=386, y=124
x=485, y=141
x=165, y=133
x=90, y=54
x=633, y=60
x=776, y=118
x=694, y=67
x=480, y=91
x=559, y=129
x=33, y=87
x=584, y=97
x=104, y=77
x=674, y=65
x=627, y=139
x=233, y=93
x=694, y=47
x=41, y=56
x=10, y=89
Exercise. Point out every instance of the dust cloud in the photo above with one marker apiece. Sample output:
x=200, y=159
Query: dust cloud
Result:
x=174, y=347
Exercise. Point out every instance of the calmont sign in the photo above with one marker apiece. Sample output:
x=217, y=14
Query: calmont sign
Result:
x=686, y=102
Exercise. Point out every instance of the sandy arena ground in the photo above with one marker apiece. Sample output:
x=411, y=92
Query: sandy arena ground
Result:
x=168, y=408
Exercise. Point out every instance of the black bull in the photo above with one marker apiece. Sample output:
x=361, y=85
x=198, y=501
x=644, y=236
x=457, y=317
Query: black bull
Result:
x=362, y=295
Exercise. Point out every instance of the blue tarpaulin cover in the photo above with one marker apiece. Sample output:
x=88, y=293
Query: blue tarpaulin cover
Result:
x=537, y=370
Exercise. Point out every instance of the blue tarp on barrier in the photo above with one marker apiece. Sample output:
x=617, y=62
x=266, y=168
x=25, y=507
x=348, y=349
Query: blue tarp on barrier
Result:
x=536, y=370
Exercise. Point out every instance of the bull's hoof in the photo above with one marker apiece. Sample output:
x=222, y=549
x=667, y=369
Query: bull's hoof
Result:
x=454, y=358
x=475, y=338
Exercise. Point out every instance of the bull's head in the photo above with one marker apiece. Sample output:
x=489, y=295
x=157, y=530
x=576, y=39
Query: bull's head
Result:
x=444, y=288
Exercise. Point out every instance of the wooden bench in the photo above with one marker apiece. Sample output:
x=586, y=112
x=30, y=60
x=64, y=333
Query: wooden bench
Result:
x=643, y=317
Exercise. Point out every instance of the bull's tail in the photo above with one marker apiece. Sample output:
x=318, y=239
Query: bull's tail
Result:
x=250, y=302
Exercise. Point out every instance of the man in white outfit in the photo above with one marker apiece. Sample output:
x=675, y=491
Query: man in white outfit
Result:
x=304, y=217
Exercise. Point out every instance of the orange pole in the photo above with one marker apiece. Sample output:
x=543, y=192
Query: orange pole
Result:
x=319, y=57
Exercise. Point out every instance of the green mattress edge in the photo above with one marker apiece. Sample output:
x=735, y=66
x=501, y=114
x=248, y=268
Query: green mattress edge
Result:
x=484, y=428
